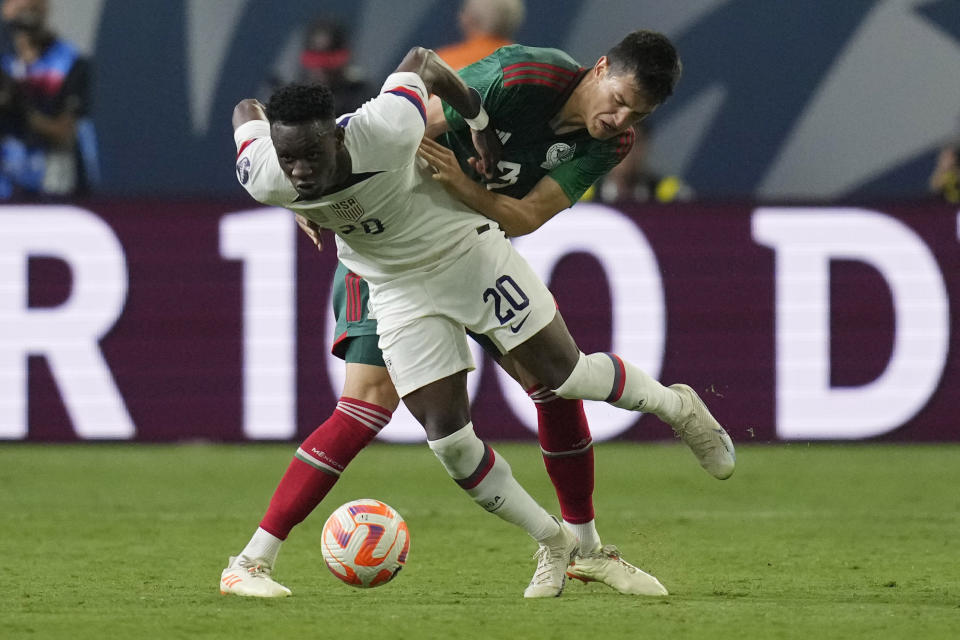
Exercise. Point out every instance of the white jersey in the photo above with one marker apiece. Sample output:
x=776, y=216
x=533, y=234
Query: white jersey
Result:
x=393, y=218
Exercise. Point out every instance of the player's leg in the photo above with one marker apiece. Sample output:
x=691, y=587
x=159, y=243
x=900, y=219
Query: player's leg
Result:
x=567, y=449
x=566, y=446
x=315, y=468
x=365, y=406
x=359, y=416
x=442, y=408
x=428, y=360
x=553, y=357
x=521, y=318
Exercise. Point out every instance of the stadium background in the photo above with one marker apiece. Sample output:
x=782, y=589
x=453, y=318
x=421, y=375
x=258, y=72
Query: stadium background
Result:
x=840, y=107
x=813, y=99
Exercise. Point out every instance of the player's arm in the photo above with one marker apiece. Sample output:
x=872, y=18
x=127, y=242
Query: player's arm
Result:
x=257, y=166
x=247, y=110
x=515, y=216
x=442, y=81
x=437, y=124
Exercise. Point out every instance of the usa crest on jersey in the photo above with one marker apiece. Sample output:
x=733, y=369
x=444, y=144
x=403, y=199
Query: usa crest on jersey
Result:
x=349, y=209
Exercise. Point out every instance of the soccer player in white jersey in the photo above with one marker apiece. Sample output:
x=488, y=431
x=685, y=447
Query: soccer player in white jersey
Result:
x=435, y=267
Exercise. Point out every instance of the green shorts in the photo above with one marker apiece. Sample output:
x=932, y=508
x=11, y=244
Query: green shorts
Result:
x=355, y=339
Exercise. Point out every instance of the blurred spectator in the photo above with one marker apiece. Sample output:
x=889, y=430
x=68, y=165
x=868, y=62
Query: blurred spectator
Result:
x=326, y=58
x=487, y=25
x=48, y=148
x=634, y=180
x=945, y=179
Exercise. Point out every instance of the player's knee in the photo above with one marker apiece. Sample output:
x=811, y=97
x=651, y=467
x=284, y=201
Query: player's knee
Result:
x=440, y=424
x=565, y=374
x=385, y=394
x=590, y=379
x=378, y=394
x=557, y=376
x=546, y=361
x=439, y=419
x=370, y=384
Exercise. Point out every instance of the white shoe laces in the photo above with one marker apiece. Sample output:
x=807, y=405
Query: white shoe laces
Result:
x=548, y=560
x=612, y=553
x=254, y=568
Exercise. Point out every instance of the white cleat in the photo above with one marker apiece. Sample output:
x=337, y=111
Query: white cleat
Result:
x=246, y=577
x=704, y=435
x=605, y=565
x=553, y=557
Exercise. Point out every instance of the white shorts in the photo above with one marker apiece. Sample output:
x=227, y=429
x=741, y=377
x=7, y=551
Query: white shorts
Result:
x=421, y=316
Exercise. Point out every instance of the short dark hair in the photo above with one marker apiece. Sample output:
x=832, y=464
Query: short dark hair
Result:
x=651, y=59
x=298, y=103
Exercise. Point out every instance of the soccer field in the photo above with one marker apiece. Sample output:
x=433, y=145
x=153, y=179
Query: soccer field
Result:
x=119, y=541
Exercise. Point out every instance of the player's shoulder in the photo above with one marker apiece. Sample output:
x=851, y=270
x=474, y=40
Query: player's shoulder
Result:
x=537, y=70
x=516, y=55
x=612, y=149
x=385, y=132
x=400, y=92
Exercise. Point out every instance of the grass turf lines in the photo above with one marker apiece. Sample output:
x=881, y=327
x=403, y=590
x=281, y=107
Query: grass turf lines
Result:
x=122, y=541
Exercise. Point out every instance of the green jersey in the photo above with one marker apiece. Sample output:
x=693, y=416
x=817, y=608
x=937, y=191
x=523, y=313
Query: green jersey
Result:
x=522, y=89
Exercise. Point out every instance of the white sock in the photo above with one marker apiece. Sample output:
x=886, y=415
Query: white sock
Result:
x=606, y=377
x=587, y=535
x=263, y=546
x=488, y=479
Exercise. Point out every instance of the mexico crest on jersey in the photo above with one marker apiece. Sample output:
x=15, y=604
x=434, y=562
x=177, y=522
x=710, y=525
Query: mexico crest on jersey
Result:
x=557, y=154
x=348, y=209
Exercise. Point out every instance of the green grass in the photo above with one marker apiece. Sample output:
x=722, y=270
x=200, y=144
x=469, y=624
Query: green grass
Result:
x=115, y=541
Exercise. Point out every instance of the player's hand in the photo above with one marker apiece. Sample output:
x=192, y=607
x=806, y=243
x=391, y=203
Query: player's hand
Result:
x=444, y=165
x=311, y=229
x=489, y=148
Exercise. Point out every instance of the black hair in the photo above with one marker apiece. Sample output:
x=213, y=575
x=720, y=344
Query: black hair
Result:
x=651, y=59
x=298, y=103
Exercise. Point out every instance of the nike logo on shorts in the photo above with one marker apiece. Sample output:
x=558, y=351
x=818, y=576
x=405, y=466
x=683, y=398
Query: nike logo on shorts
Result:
x=514, y=328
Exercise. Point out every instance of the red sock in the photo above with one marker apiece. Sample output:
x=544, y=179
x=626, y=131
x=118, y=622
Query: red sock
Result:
x=567, y=449
x=321, y=458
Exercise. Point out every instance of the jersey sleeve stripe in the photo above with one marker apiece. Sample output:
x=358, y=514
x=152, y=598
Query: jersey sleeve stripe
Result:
x=246, y=143
x=624, y=144
x=553, y=84
x=549, y=75
x=413, y=97
x=543, y=65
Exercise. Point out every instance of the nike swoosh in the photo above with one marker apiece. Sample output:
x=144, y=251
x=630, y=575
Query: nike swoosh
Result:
x=514, y=328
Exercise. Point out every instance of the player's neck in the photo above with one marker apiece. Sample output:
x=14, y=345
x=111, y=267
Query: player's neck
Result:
x=344, y=171
x=571, y=115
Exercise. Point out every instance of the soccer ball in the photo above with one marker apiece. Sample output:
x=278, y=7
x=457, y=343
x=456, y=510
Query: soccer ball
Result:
x=365, y=543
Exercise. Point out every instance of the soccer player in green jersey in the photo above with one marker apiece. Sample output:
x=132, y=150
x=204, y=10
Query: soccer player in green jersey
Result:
x=561, y=127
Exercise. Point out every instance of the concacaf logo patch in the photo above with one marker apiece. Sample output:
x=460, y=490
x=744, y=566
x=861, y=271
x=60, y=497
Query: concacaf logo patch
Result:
x=557, y=154
x=243, y=170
